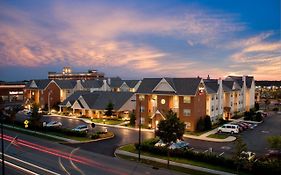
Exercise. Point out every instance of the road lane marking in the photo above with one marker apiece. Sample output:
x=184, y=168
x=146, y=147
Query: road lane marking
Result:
x=71, y=162
x=62, y=167
x=30, y=164
x=19, y=168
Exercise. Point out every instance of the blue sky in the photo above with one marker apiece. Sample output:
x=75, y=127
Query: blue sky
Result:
x=136, y=39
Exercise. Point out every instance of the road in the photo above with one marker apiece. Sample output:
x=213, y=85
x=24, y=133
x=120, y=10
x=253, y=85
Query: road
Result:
x=53, y=158
x=271, y=126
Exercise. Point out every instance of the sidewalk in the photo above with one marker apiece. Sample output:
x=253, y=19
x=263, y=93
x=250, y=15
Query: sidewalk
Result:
x=197, y=168
x=206, y=138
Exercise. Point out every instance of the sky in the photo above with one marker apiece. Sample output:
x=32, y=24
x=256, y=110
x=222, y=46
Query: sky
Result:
x=137, y=39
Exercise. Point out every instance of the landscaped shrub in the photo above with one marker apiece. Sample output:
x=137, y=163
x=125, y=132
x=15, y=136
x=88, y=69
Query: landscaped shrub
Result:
x=258, y=117
x=95, y=136
x=258, y=167
x=275, y=109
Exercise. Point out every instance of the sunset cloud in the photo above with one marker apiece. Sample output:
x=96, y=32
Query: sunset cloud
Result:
x=189, y=42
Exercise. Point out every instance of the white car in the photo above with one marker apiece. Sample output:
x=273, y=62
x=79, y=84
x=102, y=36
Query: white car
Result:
x=229, y=128
x=160, y=143
x=81, y=128
x=250, y=156
x=179, y=145
x=54, y=124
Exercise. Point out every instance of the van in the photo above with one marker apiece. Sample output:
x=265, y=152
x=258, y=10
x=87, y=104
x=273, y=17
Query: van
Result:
x=229, y=128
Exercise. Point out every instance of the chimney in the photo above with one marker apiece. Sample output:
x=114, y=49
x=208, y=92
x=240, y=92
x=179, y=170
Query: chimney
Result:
x=208, y=77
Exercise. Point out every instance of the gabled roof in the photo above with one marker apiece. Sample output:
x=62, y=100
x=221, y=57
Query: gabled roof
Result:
x=66, y=84
x=116, y=83
x=41, y=84
x=249, y=81
x=131, y=83
x=212, y=86
x=227, y=85
x=99, y=100
x=182, y=86
x=72, y=98
x=91, y=83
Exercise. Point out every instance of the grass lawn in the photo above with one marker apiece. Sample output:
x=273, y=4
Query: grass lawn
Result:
x=131, y=148
x=195, y=133
x=108, y=121
x=218, y=136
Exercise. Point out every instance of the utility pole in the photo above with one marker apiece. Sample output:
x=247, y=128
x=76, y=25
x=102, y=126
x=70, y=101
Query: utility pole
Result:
x=2, y=145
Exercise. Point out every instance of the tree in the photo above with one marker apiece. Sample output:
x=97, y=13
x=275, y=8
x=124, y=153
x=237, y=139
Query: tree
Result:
x=35, y=116
x=132, y=119
x=258, y=117
x=208, y=123
x=274, y=142
x=109, y=109
x=240, y=146
x=170, y=130
x=267, y=103
x=257, y=106
x=200, y=124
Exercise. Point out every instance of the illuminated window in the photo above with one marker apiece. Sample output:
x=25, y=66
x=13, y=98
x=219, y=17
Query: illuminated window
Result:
x=163, y=101
x=186, y=99
x=186, y=112
x=142, y=108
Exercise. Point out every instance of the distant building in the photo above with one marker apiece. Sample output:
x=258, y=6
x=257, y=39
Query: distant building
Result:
x=12, y=91
x=67, y=74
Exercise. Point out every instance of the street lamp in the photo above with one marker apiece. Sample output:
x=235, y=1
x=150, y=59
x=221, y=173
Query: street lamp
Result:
x=49, y=106
x=141, y=97
x=2, y=144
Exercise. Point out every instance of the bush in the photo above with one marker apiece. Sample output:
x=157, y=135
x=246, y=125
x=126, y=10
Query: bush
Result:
x=95, y=136
x=200, y=125
x=208, y=123
x=257, y=167
x=275, y=109
x=258, y=117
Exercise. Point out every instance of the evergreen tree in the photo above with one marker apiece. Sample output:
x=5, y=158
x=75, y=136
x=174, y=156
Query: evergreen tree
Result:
x=109, y=109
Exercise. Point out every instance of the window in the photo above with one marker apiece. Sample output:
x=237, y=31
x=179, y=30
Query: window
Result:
x=163, y=101
x=212, y=98
x=187, y=125
x=142, y=120
x=142, y=109
x=186, y=112
x=212, y=108
x=186, y=99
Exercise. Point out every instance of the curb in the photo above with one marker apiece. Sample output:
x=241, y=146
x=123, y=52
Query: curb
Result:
x=228, y=139
x=96, y=140
x=42, y=134
x=188, y=166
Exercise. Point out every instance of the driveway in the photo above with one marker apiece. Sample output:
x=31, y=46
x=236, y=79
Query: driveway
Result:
x=256, y=139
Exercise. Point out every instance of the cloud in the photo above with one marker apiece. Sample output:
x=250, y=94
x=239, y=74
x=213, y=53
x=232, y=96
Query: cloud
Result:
x=259, y=57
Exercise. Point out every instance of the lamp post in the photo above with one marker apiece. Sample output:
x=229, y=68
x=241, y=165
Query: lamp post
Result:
x=49, y=106
x=140, y=100
x=2, y=145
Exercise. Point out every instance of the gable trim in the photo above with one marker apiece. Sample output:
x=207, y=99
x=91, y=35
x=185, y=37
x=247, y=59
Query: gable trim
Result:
x=165, y=81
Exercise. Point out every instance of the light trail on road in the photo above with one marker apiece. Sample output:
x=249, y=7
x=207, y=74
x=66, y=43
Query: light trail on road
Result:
x=65, y=155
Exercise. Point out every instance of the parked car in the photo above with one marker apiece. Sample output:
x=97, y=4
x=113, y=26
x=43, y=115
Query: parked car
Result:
x=81, y=128
x=229, y=128
x=276, y=154
x=241, y=128
x=250, y=156
x=179, y=145
x=160, y=143
x=54, y=124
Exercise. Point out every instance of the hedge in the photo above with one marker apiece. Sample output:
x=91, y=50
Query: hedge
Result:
x=258, y=167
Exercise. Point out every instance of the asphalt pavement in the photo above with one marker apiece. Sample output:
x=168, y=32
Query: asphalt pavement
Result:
x=62, y=159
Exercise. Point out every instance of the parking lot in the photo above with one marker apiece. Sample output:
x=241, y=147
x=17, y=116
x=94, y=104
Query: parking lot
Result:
x=256, y=138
